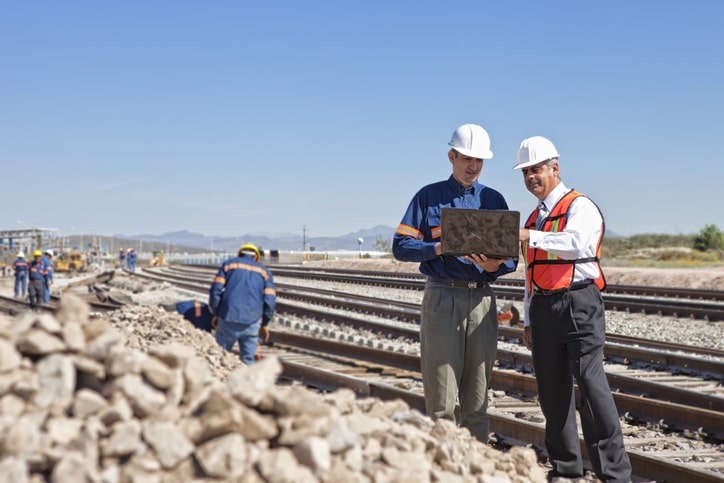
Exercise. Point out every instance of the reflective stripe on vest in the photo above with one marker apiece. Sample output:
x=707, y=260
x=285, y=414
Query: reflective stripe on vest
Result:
x=547, y=271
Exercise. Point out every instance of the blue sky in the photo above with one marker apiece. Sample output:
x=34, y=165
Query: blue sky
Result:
x=229, y=117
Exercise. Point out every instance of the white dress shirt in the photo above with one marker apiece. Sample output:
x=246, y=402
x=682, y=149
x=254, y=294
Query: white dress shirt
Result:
x=579, y=238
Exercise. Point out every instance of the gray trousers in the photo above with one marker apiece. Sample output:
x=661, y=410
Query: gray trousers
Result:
x=458, y=341
x=569, y=331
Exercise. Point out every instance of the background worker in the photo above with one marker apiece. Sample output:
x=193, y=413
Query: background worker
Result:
x=196, y=312
x=458, y=323
x=21, y=267
x=121, y=258
x=131, y=259
x=243, y=298
x=36, y=273
x=48, y=258
x=565, y=324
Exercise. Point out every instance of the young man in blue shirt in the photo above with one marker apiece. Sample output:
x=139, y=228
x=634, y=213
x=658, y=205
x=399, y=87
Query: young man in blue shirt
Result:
x=458, y=323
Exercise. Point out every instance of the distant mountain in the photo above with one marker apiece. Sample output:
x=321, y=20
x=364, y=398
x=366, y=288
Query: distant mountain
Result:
x=286, y=242
x=349, y=241
x=184, y=240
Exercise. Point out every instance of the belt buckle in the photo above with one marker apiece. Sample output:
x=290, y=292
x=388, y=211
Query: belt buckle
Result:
x=472, y=284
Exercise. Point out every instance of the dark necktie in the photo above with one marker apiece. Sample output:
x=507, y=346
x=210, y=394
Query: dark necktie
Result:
x=542, y=214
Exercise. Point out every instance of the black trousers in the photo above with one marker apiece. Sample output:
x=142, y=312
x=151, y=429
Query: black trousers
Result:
x=35, y=291
x=569, y=331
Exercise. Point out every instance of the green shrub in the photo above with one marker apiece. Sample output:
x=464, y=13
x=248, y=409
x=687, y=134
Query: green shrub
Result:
x=665, y=250
x=710, y=238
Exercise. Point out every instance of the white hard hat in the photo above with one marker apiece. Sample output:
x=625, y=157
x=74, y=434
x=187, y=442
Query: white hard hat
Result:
x=49, y=252
x=21, y=254
x=471, y=140
x=535, y=150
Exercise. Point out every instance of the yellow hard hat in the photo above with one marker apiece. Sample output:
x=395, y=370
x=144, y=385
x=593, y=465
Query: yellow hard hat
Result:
x=249, y=249
x=37, y=253
x=120, y=249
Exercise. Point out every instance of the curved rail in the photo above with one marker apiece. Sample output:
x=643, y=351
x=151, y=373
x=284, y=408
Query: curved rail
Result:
x=675, y=302
x=13, y=306
x=669, y=392
x=313, y=372
x=691, y=415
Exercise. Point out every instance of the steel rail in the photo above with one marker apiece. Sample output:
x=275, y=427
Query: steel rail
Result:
x=12, y=306
x=626, y=383
x=709, y=421
x=411, y=313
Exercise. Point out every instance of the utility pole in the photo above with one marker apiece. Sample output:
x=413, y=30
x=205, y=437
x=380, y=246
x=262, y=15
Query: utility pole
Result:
x=304, y=237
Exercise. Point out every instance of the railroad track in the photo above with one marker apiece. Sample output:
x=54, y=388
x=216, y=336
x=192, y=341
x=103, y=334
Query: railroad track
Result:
x=514, y=412
x=13, y=306
x=688, y=412
x=675, y=302
x=682, y=357
x=643, y=290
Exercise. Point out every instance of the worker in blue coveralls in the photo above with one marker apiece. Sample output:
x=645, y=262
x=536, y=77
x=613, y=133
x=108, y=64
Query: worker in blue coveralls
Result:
x=121, y=258
x=131, y=259
x=48, y=258
x=458, y=316
x=36, y=274
x=21, y=267
x=243, y=298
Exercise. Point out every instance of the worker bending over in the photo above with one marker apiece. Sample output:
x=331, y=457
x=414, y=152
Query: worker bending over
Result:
x=243, y=298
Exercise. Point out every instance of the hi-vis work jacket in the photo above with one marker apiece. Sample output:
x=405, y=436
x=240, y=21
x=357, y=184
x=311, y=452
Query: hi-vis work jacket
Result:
x=550, y=272
x=243, y=291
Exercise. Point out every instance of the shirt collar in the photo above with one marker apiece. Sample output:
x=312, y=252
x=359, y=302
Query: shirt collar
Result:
x=555, y=196
x=461, y=190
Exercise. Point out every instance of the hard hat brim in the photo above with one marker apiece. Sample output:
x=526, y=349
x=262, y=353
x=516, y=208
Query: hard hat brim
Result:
x=532, y=163
x=473, y=154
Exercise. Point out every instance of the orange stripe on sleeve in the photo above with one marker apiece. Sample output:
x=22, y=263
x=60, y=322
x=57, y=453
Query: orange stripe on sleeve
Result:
x=409, y=231
x=245, y=266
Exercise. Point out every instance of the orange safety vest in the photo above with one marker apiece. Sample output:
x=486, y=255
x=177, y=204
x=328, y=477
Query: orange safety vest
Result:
x=547, y=271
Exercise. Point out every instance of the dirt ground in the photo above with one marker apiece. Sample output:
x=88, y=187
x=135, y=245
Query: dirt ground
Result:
x=701, y=278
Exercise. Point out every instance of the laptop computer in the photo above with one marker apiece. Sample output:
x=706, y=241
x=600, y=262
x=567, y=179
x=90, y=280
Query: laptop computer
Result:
x=491, y=232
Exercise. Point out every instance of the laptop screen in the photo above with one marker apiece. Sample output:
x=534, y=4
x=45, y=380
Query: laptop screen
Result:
x=491, y=232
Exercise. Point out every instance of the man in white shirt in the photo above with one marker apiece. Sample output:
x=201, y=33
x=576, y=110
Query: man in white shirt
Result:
x=565, y=324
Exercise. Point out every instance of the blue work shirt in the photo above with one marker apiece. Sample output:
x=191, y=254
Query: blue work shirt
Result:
x=197, y=313
x=38, y=270
x=243, y=291
x=49, y=269
x=419, y=230
x=21, y=266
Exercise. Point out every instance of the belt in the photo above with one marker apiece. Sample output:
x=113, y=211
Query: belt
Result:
x=458, y=283
x=575, y=286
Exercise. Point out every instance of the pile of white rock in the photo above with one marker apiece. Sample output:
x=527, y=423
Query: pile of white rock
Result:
x=77, y=404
